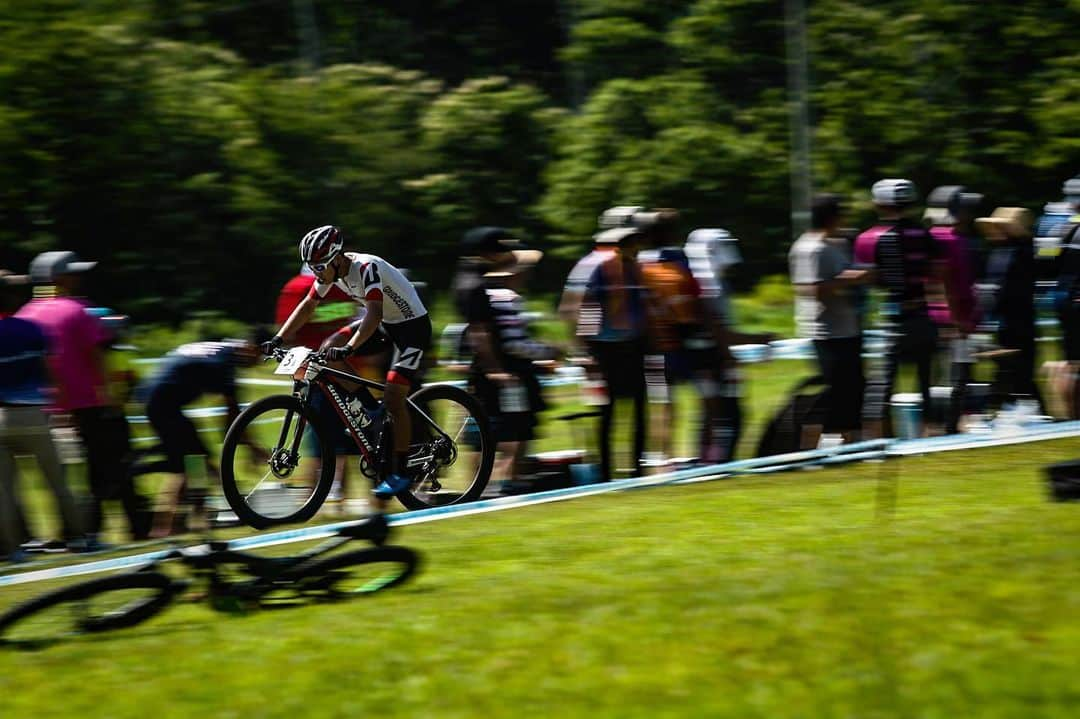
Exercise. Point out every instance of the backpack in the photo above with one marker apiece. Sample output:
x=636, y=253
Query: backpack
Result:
x=783, y=433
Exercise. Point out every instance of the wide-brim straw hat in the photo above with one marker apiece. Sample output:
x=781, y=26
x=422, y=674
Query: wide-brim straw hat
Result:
x=1014, y=222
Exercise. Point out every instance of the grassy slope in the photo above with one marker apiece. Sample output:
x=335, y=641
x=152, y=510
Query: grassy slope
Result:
x=769, y=596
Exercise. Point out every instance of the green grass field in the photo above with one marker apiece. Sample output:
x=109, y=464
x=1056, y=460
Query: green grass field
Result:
x=782, y=595
x=791, y=595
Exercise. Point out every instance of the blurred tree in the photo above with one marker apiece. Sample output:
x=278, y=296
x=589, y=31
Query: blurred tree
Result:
x=671, y=141
x=489, y=141
x=452, y=40
x=187, y=144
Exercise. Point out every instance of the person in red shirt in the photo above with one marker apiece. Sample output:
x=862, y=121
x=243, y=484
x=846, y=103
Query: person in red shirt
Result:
x=335, y=311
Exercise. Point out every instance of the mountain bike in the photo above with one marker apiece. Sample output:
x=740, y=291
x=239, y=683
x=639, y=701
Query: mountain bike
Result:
x=234, y=581
x=449, y=458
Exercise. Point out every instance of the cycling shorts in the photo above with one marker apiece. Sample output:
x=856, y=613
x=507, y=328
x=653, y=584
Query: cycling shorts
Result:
x=409, y=340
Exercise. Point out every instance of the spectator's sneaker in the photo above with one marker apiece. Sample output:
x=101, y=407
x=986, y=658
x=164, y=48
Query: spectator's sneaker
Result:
x=85, y=545
x=391, y=486
x=42, y=545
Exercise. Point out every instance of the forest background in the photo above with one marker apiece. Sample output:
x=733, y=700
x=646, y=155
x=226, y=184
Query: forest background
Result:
x=188, y=144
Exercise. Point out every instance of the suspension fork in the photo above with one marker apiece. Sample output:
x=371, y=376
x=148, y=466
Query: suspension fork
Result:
x=301, y=390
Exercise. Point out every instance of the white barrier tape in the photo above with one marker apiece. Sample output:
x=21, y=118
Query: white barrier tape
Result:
x=832, y=455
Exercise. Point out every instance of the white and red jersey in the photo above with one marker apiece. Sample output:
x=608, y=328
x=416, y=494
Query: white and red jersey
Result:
x=373, y=279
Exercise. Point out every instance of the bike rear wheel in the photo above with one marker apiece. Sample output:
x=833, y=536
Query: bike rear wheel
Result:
x=99, y=605
x=451, y=451
x=357, y=573
x=293, y=484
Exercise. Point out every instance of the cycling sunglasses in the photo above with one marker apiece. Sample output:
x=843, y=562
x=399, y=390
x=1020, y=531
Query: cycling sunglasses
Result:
x=321, y=266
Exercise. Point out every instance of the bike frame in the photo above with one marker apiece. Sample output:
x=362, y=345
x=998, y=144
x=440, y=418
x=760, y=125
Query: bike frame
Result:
x=316, y=372
x=261, y=571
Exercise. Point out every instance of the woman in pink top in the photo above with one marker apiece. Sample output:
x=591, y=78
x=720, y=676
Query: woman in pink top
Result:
x=76, y=358
x=951, y=213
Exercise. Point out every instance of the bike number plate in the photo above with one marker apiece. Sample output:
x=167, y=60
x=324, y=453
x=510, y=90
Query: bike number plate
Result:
x=292, y=360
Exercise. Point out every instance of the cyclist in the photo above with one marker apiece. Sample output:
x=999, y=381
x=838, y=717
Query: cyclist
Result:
x=394, y=315
x=189, y=372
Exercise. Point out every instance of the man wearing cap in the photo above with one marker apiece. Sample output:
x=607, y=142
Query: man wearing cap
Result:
x=616, y=329
x=76, y=359
x=502, y=374
x=24, y=427
x=907, y=265
x=604, y=244
x=1010, y=272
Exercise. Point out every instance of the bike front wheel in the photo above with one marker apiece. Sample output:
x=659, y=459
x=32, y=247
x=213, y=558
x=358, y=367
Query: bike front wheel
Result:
x=99, y=605
x=288, y=474
x=451, y=451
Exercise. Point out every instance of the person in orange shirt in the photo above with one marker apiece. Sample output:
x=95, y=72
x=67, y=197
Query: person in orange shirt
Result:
x=685, y=341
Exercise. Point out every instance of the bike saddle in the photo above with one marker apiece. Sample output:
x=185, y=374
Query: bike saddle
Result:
x=375, y=529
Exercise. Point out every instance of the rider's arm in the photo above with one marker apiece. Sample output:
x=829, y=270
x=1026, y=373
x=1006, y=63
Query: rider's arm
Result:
x=300, y=316
x=372, y=318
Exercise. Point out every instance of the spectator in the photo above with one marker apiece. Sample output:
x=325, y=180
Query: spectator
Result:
x=76, y=358
x=24, y=427
x=1010, y=273
x=1058, y=218
x=614, y=308
x=713, y=254
x=1067, y=294
x=603, y=247
x=683, y=333
x=951, y=213
x=824, y=279
x=503, y=375
x=907, y=264
x=570, y=305
x=337, y=310
x=1059, y=224
x=189, y=372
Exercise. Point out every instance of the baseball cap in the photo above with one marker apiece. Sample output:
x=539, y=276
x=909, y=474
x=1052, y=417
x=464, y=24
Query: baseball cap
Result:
x=488, y=240
x=894, y=192
x=618, y=216
x=616, y=236
x=48, y=265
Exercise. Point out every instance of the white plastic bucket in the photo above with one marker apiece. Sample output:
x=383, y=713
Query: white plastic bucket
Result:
x=907, y=415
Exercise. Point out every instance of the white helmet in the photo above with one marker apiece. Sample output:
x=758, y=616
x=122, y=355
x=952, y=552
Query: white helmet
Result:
x=1071, y=189
x=321, y=244
x=712, y=252
x=894, y=192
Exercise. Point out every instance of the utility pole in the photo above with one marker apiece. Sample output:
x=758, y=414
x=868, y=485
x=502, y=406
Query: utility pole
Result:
x=799, y=113
x=308, y=32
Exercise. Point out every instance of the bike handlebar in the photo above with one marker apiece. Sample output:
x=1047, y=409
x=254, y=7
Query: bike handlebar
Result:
x=278, y=354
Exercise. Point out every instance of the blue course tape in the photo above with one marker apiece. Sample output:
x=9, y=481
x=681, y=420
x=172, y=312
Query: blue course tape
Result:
x=881, y=448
